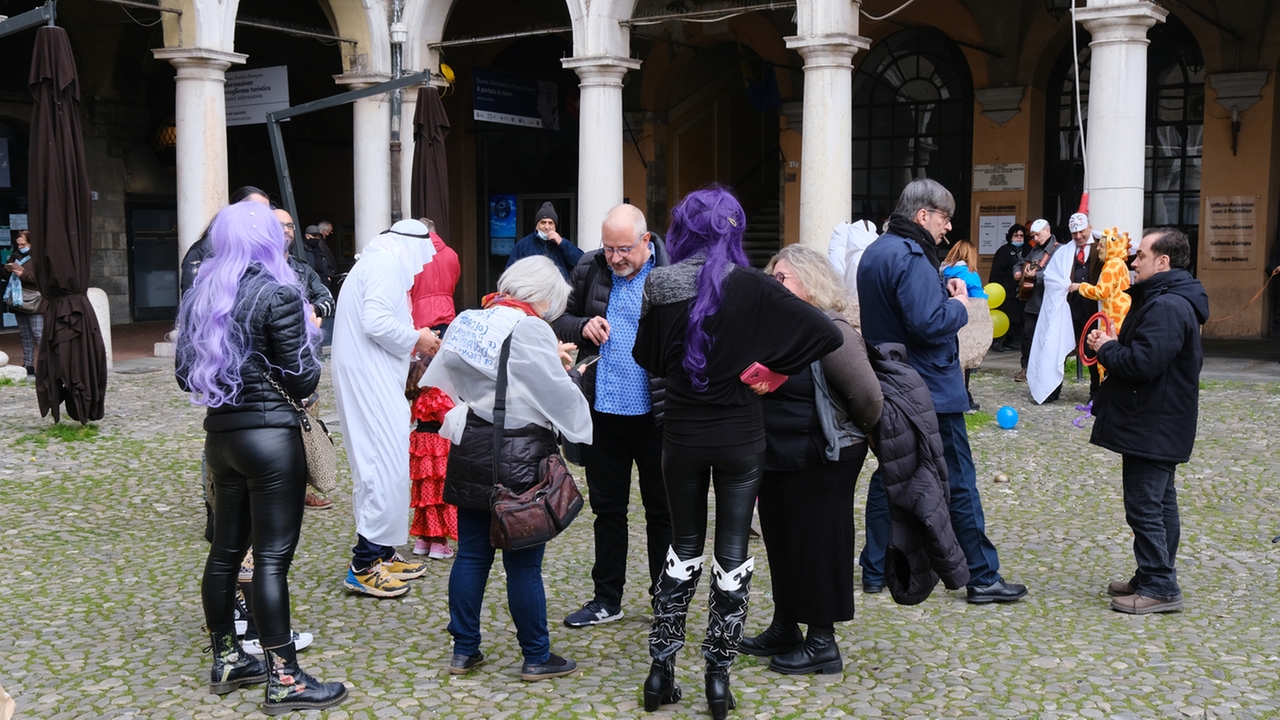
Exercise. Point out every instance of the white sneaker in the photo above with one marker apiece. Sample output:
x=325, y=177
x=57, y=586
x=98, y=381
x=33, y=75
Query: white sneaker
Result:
x=301, y=641
x=440, y=551
x=242, y=627
x=421, y=547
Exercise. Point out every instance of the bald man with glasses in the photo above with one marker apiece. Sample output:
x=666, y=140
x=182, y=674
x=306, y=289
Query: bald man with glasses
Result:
x=602, y=318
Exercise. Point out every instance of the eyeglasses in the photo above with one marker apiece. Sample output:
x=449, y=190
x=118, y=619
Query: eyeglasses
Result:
x=611, y=251
x=288, y=226
x=780, y=276
x=946, y=217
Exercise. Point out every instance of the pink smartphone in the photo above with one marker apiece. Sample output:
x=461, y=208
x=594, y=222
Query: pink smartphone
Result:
x=758, y=373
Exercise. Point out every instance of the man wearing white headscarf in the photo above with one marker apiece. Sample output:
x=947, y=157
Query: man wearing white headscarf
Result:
x=373, y=344
x=848, y=241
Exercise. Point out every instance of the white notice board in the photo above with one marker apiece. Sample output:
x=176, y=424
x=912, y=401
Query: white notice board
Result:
x=994, y=221
x=251, y=94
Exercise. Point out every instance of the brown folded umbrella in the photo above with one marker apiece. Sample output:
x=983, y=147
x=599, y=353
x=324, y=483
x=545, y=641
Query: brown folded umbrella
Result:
x=429, y=179
x=71, y=363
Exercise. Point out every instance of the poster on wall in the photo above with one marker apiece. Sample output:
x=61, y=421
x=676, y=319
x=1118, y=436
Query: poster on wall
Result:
x=5, y=180
x=1231, y=232
x=515, y=100
x=994, y=221
x=251, y=94
x=502, y=223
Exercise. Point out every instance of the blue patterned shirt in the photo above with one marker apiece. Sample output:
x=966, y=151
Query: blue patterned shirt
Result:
x=622, y=386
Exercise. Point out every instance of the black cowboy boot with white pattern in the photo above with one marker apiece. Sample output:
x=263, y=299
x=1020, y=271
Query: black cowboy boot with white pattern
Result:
x=674, y=590
x=729, y=590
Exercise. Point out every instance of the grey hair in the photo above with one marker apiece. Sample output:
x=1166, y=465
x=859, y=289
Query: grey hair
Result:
x=618, y=213
x=537, y=280
x=814, y=271
x=431, y=225
x=925, y=194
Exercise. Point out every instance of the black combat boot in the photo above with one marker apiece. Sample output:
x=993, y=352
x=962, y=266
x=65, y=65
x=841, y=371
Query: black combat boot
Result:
x=289, y=687
x=819, y=655
x=232, y=666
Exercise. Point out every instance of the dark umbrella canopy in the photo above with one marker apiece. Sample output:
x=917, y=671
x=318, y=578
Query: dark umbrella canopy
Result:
x=429, y=187
x=72, y=362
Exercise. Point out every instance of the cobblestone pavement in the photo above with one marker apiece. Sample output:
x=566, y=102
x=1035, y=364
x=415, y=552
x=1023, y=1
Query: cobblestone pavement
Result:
x=101, y=540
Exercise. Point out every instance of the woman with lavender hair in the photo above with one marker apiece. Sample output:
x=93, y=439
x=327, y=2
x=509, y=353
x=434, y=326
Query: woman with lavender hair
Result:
x=247, y=336
x=706, y=319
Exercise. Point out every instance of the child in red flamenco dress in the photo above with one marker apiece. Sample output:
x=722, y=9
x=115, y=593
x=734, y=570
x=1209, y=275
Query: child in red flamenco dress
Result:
x=434, y=521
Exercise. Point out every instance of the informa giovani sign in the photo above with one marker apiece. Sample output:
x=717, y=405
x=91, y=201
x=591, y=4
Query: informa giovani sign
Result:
x=1231, y=233
x=500, y=97
x=251, y=94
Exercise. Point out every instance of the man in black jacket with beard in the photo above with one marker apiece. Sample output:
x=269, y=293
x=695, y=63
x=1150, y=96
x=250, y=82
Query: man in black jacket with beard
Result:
x=603, y=317
x=1147, y=410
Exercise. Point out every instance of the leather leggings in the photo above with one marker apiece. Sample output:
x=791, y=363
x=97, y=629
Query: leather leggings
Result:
x=259, y=479
x=736, y=480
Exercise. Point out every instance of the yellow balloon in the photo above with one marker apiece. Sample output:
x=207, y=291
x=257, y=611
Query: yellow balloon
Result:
x=995, y=295
x=999, y=323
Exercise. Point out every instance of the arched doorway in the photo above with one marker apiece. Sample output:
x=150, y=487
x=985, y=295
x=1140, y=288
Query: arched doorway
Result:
x=912, y=118
x=1175, y=131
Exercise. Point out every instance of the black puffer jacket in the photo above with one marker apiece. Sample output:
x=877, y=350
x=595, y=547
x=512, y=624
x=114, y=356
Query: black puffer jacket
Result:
x=468, y=481
x=592, y=280
x=1149, y=403
x=317, y=292
x=191, y=262
x=922, y=544
x=272, y=316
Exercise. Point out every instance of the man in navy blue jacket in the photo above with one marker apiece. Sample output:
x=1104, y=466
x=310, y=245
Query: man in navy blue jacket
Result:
x=904, y=300
x=1147, y=409
x=544, y=240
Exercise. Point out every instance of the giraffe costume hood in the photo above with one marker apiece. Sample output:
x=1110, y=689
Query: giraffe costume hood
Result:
x=1113, y=281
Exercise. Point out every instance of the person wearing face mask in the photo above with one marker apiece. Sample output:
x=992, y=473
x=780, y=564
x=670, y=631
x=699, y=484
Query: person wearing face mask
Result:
x=544, y=240
x=19, y=282
x=1007, y=258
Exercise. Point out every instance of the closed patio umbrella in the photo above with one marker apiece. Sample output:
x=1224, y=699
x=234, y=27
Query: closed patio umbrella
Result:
x=429, y=184
x=71, y=364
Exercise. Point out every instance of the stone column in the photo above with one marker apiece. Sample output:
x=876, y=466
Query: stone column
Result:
x=371, y=126
x=599, y=141
x=1115, y=140
x=826, y=171
x=200, y=115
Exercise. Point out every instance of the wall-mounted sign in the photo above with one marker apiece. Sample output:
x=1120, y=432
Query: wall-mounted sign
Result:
x=515, y=100
x=1012, y=176
x=994, y=221
x=251, y=94
x=1231, y=233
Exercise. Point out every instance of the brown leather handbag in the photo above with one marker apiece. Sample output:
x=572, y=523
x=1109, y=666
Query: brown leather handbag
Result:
x=535, y=516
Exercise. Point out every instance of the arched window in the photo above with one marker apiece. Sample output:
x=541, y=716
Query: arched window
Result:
x=1175, y=130
x=912, y=118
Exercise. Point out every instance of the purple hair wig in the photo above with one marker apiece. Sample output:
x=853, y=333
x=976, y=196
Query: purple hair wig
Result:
x=707, y=222
x=212, y=343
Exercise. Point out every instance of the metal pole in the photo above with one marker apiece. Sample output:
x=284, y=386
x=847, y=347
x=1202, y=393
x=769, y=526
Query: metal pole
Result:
x=398, y=36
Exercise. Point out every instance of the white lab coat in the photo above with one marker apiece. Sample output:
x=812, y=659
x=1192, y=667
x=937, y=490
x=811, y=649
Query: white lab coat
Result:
x=373, y=343
x=1055, y=335
x=539, y=390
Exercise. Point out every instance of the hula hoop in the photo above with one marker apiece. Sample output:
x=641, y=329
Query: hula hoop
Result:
x=1111, y=329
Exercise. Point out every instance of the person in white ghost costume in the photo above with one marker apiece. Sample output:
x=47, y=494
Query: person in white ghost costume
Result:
x=1054, y=338
x=373, y=343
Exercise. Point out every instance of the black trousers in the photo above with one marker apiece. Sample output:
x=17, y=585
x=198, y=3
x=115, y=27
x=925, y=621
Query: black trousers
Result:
x=617, y=442
x=259, y=480
x=1151, y=509
x=736, y=480
x=1028, y=335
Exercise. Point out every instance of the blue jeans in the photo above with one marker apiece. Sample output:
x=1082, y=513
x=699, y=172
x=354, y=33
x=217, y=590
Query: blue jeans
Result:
x=1151, y=509
x=967, y=520
x=526, y=597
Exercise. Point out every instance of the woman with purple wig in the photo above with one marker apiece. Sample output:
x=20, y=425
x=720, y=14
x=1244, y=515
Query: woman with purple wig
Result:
x=246, y=337
x=706, y=319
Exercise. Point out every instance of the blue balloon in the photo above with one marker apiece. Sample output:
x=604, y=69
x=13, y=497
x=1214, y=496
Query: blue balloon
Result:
x=1007, y=417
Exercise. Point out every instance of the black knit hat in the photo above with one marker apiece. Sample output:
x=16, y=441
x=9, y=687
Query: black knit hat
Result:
x=546, y=211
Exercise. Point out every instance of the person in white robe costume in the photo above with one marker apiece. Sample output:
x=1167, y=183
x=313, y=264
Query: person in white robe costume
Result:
x=373, y=344
x=1054, y=338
